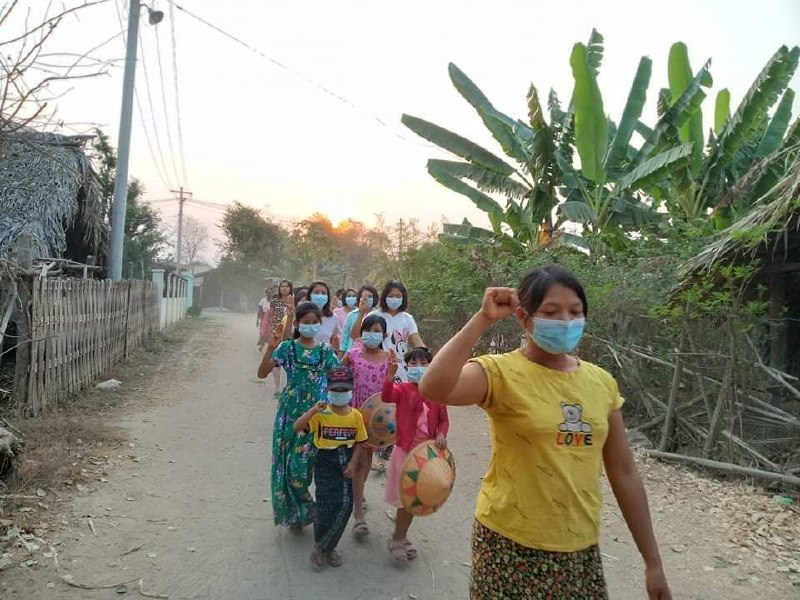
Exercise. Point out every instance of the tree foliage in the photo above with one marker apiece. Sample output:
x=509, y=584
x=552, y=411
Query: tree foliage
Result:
x=144, y=235
x=250, y=238
x=576, y=166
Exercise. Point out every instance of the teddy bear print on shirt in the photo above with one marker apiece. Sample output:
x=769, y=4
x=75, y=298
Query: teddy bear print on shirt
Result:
x=572, y=419
x=573, y=430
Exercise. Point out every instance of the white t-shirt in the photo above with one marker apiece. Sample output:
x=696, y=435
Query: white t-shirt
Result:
x=328, y=328
x=398, y=329
x=264, y=304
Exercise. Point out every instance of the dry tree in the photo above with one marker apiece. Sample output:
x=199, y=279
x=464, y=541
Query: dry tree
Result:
x=27, y=72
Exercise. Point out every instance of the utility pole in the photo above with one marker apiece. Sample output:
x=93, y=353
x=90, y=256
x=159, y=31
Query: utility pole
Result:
x=179, y=250
x=124, y=140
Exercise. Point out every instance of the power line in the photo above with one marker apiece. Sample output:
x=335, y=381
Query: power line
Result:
x=164, y=103
x=177, y=94
x=297, y=74
x=152, y=108
x=139, y=106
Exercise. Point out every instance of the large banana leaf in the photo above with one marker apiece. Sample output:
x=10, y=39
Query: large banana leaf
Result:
x=486, y=180
x=677, y=114
x=577, y=212
x=776, y=170
x=500, y=125
x=574, y=241
x=542, y=147
x=750, y=115
x=456, y=144
x=485, y=203
x=562, y=125
x=630, y=116
x=680, y=77
x=654, y=168
x=594, y=52
x=628, y=211
x=773, y=136
x=722, y=110
x=644, y=130
x=591, y=125
x=466, y=233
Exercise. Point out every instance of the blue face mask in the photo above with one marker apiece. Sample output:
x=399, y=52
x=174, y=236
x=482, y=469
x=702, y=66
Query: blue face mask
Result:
x=394, y=303
x=350, y=301
x=319, y=299
x=370, y=302
x=340, y=398
x=308, y=330
x=557, y=337
x=372, y=339
x=415, y=374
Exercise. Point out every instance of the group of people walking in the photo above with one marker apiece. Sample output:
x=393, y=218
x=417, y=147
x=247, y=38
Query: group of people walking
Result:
x=555, y=420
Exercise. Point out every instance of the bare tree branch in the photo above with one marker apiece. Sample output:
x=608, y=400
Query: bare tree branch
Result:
x=24, y=77
x=53, y=20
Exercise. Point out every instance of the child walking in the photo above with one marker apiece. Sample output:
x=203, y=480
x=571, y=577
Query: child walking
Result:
x=338, y=431
x=369, y=363
x=418, y=420
x=306, y=362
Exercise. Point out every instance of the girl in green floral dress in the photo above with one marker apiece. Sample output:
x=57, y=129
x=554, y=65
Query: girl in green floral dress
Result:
x=306, y=362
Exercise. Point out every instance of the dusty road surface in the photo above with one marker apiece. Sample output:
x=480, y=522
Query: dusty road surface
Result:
x=185, y=507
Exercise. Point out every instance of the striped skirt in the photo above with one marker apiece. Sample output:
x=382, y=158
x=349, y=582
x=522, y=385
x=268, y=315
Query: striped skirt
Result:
x=505, y=570
x=334, y=497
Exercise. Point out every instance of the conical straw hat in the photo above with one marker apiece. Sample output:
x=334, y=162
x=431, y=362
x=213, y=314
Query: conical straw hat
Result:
x=380, y=421
x=427, y=479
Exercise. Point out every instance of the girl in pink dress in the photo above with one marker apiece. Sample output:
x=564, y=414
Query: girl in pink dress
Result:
x=418, y=420
x=369, y=363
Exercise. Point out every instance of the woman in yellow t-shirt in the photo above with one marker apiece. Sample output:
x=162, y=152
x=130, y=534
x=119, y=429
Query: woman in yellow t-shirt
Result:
x=555, y=422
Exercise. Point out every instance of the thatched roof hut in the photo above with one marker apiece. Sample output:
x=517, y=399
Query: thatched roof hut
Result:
x=769, y=236
x=50, y=192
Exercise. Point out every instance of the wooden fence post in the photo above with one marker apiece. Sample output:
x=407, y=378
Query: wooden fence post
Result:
x=22, y=372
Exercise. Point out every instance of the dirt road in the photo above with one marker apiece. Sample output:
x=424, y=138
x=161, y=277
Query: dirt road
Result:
x=187, y=509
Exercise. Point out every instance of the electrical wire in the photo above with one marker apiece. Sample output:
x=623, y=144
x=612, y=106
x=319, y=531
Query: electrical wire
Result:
x=153, y=123
x=301, y=76
x=139, y=104
x=177, y=94
x=164, y=106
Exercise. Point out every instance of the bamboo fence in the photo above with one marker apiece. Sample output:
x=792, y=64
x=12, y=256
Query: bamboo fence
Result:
x=79, y=328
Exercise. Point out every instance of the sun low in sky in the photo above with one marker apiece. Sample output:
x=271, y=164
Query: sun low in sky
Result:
x=295, y=107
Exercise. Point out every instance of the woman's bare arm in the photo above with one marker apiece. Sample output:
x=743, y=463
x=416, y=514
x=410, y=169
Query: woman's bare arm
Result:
x=450, y=379
x=632, y=500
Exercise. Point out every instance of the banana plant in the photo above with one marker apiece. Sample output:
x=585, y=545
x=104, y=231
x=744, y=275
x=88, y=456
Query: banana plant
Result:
x=607, y=193
x=524, y=180
x=747, y=151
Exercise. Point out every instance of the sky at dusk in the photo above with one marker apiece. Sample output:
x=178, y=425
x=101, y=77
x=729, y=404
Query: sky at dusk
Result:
x=272, y=131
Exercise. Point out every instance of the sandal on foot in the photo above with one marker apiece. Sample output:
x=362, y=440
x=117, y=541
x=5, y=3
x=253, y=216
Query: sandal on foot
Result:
x=334, y=559
x=317, y=559
x=360, y=529
x=411, y=552
x=397, y=549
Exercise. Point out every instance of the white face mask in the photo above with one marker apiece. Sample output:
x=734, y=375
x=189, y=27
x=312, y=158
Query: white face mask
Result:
x=394, y=303
x=340, y=398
